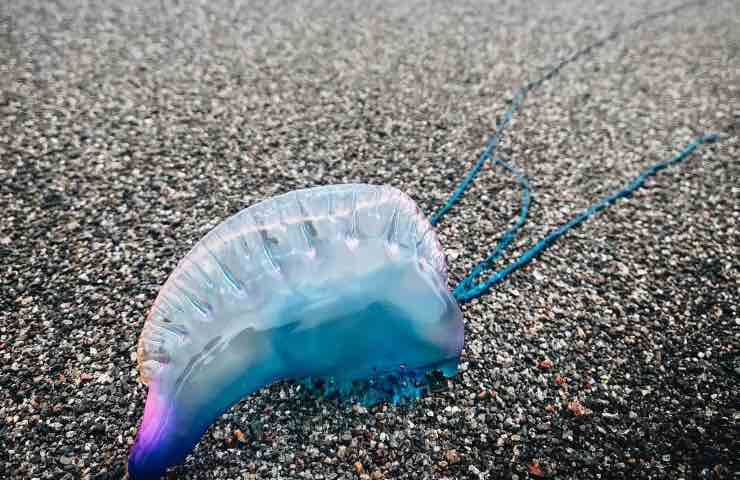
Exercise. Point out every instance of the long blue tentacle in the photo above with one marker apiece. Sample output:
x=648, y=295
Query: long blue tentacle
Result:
x=466, y=291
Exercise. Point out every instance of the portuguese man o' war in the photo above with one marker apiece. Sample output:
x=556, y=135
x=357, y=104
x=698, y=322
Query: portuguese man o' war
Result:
x=343, y=287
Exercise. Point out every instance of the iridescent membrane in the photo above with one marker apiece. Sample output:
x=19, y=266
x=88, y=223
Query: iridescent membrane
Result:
x=341, y=287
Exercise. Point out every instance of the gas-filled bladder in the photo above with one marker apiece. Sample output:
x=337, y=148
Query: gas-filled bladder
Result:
x=341, y=287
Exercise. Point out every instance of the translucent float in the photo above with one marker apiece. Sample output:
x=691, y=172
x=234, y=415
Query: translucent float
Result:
x=341, y=287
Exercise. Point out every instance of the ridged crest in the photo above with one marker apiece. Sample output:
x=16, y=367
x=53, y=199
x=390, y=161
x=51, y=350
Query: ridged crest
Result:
x=278, y=244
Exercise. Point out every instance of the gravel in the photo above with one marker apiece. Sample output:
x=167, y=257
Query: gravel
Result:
x=129, y=129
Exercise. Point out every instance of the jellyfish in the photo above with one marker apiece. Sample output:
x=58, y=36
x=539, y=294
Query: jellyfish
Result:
x=342, y=288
